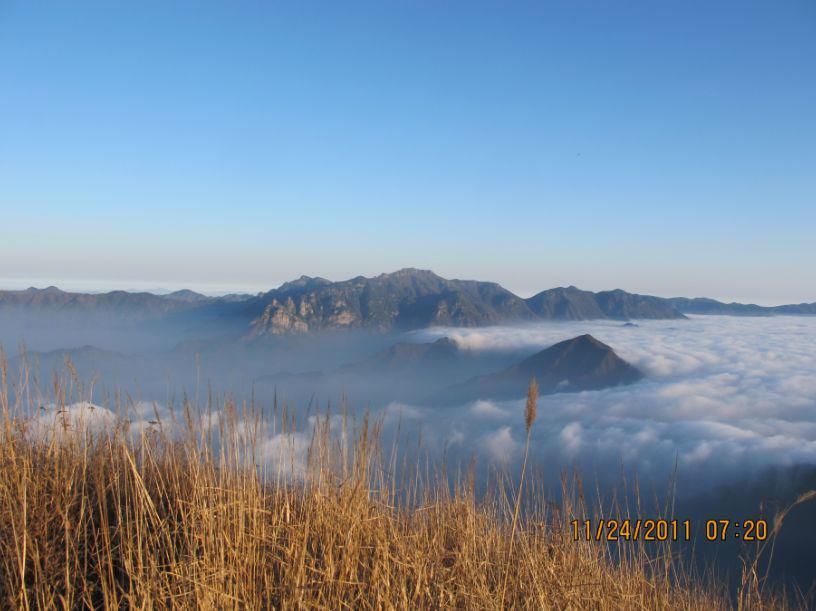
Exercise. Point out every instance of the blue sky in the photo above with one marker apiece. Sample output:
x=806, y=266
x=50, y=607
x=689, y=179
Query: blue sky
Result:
x=662, y=147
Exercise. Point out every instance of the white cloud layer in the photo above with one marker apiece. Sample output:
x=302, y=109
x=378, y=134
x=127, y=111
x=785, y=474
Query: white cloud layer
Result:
x=724, y=396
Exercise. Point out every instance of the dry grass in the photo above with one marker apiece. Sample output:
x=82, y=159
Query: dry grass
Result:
x=197, y=520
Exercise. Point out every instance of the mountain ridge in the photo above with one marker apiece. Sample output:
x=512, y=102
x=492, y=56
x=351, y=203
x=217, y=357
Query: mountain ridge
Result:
x=406, y=299
x=707, y=306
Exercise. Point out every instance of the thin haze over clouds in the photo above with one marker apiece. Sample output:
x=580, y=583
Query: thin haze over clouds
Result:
x=664, y=148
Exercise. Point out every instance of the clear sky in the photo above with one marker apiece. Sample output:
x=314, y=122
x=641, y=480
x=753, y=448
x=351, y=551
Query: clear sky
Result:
x=666, y=147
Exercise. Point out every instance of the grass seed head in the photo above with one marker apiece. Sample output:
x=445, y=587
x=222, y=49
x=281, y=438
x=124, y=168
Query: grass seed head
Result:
x=532, y=404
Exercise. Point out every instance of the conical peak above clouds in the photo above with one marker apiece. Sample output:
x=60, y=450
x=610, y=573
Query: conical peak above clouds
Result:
x=580, y=363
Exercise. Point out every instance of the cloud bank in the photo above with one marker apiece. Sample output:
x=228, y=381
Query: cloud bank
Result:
x=724, y=397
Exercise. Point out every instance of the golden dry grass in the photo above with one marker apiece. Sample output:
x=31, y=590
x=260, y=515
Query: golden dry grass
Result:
x=151, y=520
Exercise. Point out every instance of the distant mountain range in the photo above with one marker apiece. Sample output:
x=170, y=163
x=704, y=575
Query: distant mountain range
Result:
x=406, y=299
x=124, y=304
x=702, y=305
x=580, y=363
x=139, y=305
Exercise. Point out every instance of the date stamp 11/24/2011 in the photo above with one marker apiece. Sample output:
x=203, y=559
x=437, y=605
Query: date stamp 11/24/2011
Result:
x=637, y=529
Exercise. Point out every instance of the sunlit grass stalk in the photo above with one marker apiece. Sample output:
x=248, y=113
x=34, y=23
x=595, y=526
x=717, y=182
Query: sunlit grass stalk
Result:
x=530, y=412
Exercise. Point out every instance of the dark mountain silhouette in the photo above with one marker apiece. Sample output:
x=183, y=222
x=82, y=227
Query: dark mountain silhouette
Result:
x=408, y=358
x=580, y=363
x=406, y=372
x=621, y=305
x=799, y=309
x=121, y=304
x=574, y=304
x=703, y=305
x=567, y=303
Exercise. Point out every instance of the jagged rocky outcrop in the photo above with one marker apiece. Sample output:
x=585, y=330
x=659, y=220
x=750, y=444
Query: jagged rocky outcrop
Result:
x=413, y=299
x=407, y=299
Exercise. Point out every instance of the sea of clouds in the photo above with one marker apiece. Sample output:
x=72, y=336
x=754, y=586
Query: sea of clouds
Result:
x=723, y=397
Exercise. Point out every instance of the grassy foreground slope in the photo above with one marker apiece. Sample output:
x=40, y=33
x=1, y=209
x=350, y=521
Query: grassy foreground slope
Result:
x=126, y=518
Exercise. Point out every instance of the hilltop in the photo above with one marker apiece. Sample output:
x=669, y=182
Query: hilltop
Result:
x=580, y=363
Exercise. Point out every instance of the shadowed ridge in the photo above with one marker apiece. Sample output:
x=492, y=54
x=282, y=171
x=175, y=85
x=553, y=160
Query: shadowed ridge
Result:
x=571, y=303
x=580, y=363
x=568, y=303
x=704, y=305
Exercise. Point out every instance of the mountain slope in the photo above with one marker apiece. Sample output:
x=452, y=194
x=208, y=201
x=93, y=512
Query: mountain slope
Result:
x=567, y=303
x=406, y=299
x=580, y=363
x=413, y=299
x=574, y=304
x=621, y=305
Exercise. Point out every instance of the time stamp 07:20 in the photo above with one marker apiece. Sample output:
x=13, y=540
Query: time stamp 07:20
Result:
x=667, y=530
